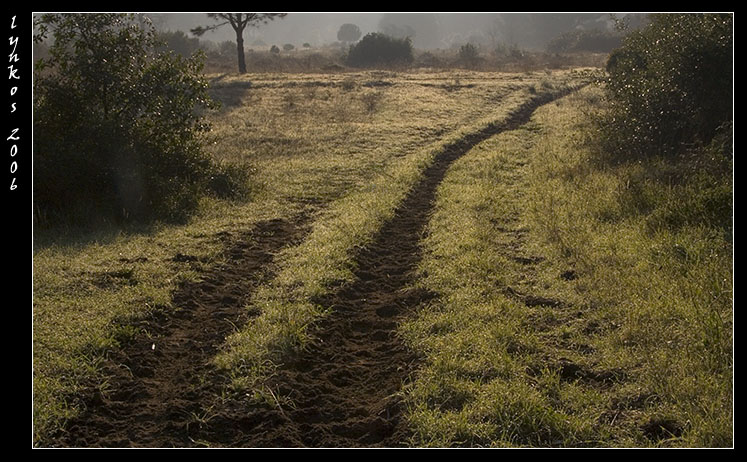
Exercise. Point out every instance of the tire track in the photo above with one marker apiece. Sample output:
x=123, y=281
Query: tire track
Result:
x=342, y=390
x=162, y=384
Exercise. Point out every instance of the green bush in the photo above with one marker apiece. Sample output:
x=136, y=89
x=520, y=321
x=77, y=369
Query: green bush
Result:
x=469, y=55
x=227, y=48
x=376, y=49
x=670, y=84
x=117, y=124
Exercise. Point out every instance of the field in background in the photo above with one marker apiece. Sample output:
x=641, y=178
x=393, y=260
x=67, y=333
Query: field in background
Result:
x=332, y=59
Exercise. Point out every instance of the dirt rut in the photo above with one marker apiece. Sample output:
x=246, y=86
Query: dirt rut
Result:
x=162, y=384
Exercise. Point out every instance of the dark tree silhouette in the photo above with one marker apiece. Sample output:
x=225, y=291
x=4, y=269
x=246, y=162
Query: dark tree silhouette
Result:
x=348, y=33
x=238, y=22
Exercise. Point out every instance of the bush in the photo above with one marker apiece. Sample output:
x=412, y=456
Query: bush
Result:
x=116, y=124
x=670, y=84
x=428, y=59
x=468, y=55
x=376, y=49
x=227, y=48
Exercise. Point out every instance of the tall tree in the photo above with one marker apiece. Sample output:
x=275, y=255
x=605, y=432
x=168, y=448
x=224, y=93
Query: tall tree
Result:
x=238, y=22
x=348, y=33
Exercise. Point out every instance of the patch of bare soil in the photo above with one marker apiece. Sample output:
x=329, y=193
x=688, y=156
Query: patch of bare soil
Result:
x=162, y=384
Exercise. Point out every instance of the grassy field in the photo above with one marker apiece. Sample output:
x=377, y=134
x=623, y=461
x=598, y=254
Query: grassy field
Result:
x=570, y=312
x=564, y=331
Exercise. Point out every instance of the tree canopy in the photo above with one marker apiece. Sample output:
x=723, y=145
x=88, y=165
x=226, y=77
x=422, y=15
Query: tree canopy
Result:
x=348, y=33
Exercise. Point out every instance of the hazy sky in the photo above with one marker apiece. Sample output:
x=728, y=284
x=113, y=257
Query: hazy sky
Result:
x=432, y=30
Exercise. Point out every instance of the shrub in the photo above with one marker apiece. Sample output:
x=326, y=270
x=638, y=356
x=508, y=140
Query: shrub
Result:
x=377, y=49
x=116, y=124
x=372, y=100
x=670, y=84
x=428, y=59
x=469, y=55
x=227, y=48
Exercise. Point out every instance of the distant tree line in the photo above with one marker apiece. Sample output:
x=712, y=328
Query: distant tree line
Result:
x=593, y=40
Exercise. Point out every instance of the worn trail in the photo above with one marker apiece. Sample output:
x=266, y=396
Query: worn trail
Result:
x=343, y=390
x=162, y=385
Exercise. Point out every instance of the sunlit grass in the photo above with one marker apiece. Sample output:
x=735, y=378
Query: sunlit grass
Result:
x=325, y=259
x=315, y=142
x=569, y=316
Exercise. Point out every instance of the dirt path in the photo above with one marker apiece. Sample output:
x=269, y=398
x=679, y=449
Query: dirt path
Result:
x=162, y=384
x=342, y=391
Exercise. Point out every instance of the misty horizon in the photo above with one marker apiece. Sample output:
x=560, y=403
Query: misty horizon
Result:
x=427, y=30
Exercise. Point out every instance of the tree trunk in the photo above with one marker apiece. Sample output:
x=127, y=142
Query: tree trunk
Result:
x=240, y=51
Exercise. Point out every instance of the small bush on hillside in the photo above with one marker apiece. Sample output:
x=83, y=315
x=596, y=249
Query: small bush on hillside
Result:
x=428, y=59
x=378, y=49
x=372, y=100
x=469, y=55
x=670, y=84
x=117, y=124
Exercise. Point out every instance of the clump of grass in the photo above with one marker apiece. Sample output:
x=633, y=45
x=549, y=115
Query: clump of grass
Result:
x=372, y=100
